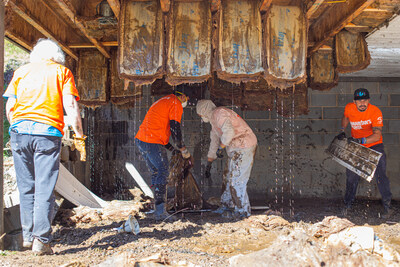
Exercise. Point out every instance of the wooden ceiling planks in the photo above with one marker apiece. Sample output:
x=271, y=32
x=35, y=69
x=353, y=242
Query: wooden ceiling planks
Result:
x=25, y=13
x=334, y=20
x=70, y=11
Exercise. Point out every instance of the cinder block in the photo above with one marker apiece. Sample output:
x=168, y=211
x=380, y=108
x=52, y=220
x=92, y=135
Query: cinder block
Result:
x=314, y=113
x=390, y=112
x=394, y=126
x=390, y=138
x=262, y=115
x=372, y=87
x=389, y=87
x=395, y=99
x=333, y=113
x=323, y=100
x=344, y=99
x=343, y=88
x=379, y=100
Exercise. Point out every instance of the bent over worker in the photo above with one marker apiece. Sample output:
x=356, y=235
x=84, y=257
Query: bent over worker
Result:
x=163, y=118
x=229, y=131
x=366, y=129
x=37, y=94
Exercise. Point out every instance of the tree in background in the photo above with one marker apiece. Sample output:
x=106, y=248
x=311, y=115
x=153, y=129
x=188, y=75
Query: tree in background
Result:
x=14, y=57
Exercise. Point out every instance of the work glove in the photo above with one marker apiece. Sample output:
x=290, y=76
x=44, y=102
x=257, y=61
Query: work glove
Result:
x=341, y=136
x=207, y=173
x=220, y=152
x=357, y=140
x=185, y=154
x=79, y=143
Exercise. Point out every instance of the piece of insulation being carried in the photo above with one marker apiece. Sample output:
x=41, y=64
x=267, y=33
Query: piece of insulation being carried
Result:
x=285, y=46
x=189, y=45
x=240, y=41
x=351, y=52
x=92, y=78
x=122, y=91
x=355, y=157
x=322, y=73
x=141, y=41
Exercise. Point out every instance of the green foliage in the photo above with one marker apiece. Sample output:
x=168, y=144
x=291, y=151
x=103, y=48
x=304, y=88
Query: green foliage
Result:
x=14, y=57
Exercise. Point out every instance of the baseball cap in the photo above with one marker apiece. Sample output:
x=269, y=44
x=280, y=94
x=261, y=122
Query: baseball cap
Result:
x=361, y=93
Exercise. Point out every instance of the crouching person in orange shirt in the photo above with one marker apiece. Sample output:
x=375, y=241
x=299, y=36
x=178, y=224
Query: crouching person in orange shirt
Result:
x=36, y=96
x=163, y=118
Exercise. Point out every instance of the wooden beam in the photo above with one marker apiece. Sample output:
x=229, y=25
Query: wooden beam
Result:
x=265, y=5
x=19, y=41
x=2, y=29
x=88, y=45
x=334, y=20
x=357, y=28
x=165, y=5
x=24, y=13
x=314, y=7
x=115, y=6
x=70, y=11
x=215, y=5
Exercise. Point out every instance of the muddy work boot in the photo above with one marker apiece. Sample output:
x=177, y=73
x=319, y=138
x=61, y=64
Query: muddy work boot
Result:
x=27, y=244
x=345, y=210
x=161, y=214
x=39, y=248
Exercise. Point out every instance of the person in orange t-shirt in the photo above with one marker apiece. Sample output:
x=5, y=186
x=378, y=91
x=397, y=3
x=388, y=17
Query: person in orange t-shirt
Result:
x=366, y=129
x=36, y=96
x=163, y=118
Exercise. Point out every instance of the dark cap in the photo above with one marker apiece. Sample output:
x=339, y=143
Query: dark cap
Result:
x=361, y=93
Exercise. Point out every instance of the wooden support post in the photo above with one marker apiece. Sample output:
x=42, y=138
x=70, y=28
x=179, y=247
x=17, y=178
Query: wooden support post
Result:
x=2, y=22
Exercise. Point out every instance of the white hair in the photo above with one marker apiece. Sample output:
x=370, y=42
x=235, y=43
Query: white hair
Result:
x=47, y=49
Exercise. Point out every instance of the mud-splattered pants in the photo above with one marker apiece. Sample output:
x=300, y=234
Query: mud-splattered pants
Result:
x=235, y=195
x=381, y=179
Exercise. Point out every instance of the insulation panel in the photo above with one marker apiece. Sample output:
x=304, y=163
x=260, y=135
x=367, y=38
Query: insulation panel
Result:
x=323, y=74
x=189, y=52
x=141, y=41
x=286, y=44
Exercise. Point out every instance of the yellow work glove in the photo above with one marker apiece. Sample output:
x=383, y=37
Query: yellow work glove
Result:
x=79, y=143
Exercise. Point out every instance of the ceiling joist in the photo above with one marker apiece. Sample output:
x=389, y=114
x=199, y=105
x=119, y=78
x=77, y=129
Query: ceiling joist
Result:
x=314, y=7
x=115, y=6
x=18, y=40
x=70, y=11
x=23, y=13
x=334, y=20
x=89, y=45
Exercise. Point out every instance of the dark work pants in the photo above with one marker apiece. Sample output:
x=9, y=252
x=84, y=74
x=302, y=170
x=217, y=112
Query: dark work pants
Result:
x=381, y=180
x=156, y=159
x=36, y=162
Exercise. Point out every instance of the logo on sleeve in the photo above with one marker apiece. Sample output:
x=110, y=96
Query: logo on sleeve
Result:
x=379, y=119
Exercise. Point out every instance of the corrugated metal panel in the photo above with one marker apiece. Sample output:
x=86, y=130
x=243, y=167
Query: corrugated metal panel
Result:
x=189, y=53
x=240, y=41
x=286, y=44
x=141, y=41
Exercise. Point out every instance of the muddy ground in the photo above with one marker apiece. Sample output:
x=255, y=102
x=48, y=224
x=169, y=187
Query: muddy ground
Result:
x=202, y=239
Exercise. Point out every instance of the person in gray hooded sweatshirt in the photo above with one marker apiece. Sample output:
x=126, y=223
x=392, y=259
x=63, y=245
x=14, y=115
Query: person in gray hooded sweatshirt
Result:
x=229, y=131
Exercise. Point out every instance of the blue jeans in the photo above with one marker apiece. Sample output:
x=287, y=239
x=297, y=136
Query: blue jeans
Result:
x=381, y=179
x=36, y=162
x=156, y=159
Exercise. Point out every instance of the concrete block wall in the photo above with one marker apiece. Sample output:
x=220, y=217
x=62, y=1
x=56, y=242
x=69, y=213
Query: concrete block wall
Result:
x=290, y=160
